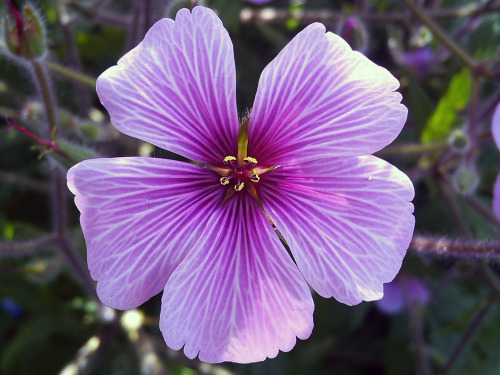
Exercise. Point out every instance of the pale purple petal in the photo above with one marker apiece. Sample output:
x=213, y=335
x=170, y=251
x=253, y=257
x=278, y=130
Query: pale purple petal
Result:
x=348, y=222
x=496, y=198
x=495, y=125
x=318, y=97
x=237, y=296
x=140, y=216
x=495, y=129
x=177, y=88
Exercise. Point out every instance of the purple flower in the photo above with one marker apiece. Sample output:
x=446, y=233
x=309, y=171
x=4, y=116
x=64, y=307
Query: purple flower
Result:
x=404, y=292
x=419, y=60
x=495, y=129
x=231, y=292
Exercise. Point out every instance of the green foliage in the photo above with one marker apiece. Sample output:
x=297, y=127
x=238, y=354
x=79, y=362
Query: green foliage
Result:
x=444, y=118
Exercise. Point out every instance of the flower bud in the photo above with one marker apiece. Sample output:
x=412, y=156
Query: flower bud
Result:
x=354, y=33
x=458, y=140
x=465, y=180
x=24, y=35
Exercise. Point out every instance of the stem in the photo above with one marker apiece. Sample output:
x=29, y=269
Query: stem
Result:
x=72, y=74
x=26, y=247
x=412, y=149
x=59, y=224
x=471, y=126
x=441, y=35
x=49, y=145
x=469, y=249
x=492, y=279
x=455, y=214
x=59, y=190
x=101, y=16
x=481, y=209
x=72, y=55
x=488, y=109
x=468, y=336
x=417, y=335
x=47, y=96
x=277, y=16
x=24, y=182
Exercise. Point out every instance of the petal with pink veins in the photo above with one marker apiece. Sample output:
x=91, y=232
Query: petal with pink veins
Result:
x=318, y=98
x=348, y=222
x=237, y=296
x=140, y=217
x=177, y=89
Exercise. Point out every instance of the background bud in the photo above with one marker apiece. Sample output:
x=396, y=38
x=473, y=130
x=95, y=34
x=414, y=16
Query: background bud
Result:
x=24, y=32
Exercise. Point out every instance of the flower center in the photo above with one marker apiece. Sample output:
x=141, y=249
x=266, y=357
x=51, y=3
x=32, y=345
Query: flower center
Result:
x=238, y=174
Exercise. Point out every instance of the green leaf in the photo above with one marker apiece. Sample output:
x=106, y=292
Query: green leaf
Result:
x=443, y=120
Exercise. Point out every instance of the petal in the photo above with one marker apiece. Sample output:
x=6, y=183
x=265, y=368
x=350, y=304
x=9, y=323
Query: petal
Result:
x=177, y=88
x=348, y=222
x=140, y=216
x=237, y=296
x=318, y=97
x=496, y=198
x=495, y=125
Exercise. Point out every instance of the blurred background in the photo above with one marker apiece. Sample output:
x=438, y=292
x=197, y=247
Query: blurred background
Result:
x=440, y=315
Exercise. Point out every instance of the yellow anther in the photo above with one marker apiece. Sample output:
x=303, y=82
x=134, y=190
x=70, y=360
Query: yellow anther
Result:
x=239, y=187
x=255, y=178
x=224, y=180
x=229, y=158
x=250, y=160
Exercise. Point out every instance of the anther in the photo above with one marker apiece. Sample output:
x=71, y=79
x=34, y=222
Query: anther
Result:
x=255, y=177
x=239, y=186
x=229, y=158
x=224, y=180
x=250, y=160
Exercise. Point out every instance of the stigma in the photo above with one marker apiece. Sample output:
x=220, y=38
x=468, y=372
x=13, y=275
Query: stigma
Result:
x=238, y=175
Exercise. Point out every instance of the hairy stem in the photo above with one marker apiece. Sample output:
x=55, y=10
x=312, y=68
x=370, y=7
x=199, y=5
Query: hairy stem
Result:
x=72, y=74
x=456, y=248
x=279, y=16
x=47, y=95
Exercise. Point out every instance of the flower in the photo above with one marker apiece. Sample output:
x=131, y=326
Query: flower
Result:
x=495, y=129
x=199, y=232
x=404, y=292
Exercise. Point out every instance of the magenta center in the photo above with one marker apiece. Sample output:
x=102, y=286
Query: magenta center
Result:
x=239, y=175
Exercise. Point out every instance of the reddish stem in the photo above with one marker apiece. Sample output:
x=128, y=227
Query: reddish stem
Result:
x=49, y=145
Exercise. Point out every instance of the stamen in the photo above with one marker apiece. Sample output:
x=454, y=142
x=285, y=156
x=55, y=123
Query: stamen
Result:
x=229, y=158
x=255, y=177
x=224, y=180
x=239, y=186
x=250, y=160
